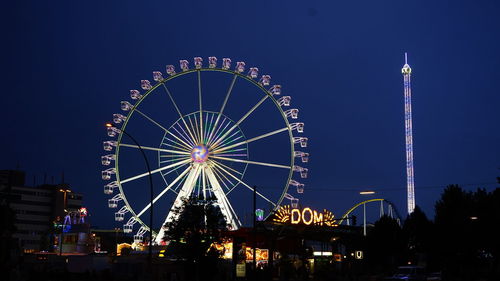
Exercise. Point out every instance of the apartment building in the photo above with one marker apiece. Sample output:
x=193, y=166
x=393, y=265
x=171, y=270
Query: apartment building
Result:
x=37, y=208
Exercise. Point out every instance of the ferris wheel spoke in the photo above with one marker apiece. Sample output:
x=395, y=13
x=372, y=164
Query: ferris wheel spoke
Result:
x=156, y=149
x=164, y=191
x=175, y=169
x=219, y=132
x=230, y=140
x=241, y=120
x=155, y=171
x=227, y=167
x=179, y=184
x=223, y=105
x=220, y=177
x=210, y=130
x=150, y=119
x=252, y=162
x=183, y=136
x=250, y=140
x=251, y=110
x=201, y=107
x=231, y=150
x=217, y=164
x=183, y=143
x=206, y=127
x=174, y=146
x=233, y=155
x=172, y=156
x=221, y=174
x=185, y=191
x=172, y=160
x=194, y=128
x=197, y=128
x=191, y=140
x=227, y=153
x=203, y=179
x=224, y=204
x=178, y=111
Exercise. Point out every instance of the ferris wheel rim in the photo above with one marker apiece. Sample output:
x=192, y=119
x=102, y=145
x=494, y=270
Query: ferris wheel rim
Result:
x=163, y=82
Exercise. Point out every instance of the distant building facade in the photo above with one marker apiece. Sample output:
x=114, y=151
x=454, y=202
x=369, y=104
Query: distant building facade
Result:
x=38, y=209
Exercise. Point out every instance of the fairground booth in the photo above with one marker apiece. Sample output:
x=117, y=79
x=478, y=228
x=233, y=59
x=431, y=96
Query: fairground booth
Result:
x=295, y=242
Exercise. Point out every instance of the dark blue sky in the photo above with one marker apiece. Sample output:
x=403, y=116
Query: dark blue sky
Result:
x=67, y=65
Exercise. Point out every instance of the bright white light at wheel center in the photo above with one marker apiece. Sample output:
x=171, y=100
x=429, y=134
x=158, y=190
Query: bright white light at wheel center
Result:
x=199, y=154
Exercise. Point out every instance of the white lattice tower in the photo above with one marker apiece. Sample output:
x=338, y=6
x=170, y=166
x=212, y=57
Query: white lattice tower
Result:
x=406, y=70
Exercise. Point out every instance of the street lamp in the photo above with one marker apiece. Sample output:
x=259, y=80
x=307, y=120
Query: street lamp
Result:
x=254, y=261
x=366, y=192
x=65, y=200
x=110, y=125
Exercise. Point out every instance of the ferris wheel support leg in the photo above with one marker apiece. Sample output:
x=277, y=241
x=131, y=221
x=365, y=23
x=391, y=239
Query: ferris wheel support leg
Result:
x=225, y=207
x=185, y=192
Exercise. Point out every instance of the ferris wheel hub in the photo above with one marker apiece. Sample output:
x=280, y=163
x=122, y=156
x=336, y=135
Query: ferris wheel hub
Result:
x=199, y=154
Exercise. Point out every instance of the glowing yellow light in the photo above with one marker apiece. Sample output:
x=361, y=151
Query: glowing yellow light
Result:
x=368, y=192
x=161, y=254
x=120, y=247
x=260, y=254
x=318, y=218
x=311, y=216
x=319, y=253
x=305, y=216
x=295, y=216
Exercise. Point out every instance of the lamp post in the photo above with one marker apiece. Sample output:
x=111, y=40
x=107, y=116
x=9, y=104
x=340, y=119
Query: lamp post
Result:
x=65, y=200
x=109, y=124
x=254, y=262
x=366, y=192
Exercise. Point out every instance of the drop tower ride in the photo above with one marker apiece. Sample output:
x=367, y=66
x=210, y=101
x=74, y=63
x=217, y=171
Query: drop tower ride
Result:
x=406, y=70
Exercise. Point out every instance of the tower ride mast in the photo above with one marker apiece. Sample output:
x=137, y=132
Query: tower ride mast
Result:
x=406, y=70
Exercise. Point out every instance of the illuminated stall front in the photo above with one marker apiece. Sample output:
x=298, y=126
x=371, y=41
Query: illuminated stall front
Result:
x=302, y=236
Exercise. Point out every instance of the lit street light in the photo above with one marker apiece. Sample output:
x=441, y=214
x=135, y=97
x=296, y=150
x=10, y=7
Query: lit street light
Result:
x=366, y=192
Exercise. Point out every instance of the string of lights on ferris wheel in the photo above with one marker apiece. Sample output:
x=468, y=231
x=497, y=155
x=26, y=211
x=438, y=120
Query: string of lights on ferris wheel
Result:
x=200, y=146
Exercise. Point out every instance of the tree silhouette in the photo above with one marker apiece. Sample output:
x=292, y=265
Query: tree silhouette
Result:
x=418, y=234
x=385, y=245
x=199, y=223
x=467, y=244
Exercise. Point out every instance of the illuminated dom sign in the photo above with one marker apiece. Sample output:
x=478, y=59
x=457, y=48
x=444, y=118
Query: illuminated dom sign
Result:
x=304, y=216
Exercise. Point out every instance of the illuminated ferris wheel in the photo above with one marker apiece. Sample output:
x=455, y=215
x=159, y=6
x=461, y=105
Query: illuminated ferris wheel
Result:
x=204, y=150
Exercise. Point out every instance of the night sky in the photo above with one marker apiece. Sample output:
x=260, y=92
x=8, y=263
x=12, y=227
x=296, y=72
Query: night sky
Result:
x=67, y=65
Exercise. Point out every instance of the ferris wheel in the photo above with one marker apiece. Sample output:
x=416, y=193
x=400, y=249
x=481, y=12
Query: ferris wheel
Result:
x=204, y=150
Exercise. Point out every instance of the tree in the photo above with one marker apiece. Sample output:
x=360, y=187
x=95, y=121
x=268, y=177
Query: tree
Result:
x=464, y=220
x=385, y=245
x=198, y=225
x=418, y=233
